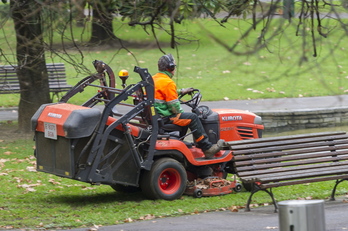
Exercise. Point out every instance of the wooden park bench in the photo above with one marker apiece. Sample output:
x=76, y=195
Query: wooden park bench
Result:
x=9, y=83
x=267, y=163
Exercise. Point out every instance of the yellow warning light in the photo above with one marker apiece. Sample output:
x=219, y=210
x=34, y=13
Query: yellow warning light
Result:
x=123, y=73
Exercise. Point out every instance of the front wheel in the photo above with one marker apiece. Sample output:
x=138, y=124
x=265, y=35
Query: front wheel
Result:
x=166, y=180
x=238, y=188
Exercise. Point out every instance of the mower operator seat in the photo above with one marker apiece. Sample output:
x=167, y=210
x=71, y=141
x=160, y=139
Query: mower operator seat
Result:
x=166, y=128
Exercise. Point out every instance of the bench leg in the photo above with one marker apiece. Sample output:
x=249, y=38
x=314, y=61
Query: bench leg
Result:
x=247, y=207
x=254, y=190
x=332, y=198
x=53, y=95
x=273, y=199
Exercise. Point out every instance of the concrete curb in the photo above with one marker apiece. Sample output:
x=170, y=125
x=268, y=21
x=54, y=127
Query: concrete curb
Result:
x=283, y=120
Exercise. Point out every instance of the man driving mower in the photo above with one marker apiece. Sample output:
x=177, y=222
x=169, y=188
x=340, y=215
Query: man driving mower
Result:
x=168, y=106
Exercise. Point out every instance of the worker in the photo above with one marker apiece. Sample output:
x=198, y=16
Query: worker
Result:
x=168, y=106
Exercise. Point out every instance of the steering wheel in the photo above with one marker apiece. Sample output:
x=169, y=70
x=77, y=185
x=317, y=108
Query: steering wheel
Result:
x=204, y=111
x=196, y=97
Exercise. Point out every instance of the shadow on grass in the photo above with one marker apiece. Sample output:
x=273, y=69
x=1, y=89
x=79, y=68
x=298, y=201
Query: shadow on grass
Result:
x=97, y=198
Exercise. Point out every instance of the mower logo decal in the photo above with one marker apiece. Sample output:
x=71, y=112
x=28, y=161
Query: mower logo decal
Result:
x=231, y=118
x=54, y=115
x=162, y=144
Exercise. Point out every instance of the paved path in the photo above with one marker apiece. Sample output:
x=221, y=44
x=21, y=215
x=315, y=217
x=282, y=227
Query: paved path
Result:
x=262, y=218
x=256, y=105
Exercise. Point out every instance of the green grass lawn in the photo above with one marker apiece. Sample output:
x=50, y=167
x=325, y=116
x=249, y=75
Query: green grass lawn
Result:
x=36, y=200
x=277, y=70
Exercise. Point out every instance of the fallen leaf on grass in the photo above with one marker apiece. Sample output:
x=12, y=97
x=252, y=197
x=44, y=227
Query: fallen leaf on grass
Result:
x=18, y=179
x=93, y=228
x=128, y=220
x=257, y=91
x=31, y=169
x=53, y=181
x=31, y=190
x=147, y=217
x=2, y=161
x=270, y=89
x=28, y=185
x=87, y=188
x=234, y=209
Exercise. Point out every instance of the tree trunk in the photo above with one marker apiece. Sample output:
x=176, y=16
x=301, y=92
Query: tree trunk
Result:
x=31, y=72
x=102, y=29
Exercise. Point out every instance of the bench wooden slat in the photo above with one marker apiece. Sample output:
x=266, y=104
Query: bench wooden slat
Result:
x=276, y=168
x=264, y=142
x=303, y=181
x=303, y=143
x=9, y=82
x=290, y=175
x=338, y=146
x=14, y=78
x=313, y=156
x=8, y=76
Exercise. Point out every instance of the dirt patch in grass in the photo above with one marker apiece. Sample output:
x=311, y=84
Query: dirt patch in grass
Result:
x=9, y=132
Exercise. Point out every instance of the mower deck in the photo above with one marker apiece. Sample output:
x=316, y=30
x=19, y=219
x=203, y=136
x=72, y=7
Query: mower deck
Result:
x=211, y=186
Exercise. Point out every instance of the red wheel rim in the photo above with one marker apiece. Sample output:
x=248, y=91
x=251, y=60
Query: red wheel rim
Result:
x=169, y=181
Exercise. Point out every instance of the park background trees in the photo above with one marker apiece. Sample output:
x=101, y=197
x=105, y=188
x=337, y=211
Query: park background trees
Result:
x=36, y=23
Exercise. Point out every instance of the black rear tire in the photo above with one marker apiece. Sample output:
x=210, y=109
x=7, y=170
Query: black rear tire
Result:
x=166, y=180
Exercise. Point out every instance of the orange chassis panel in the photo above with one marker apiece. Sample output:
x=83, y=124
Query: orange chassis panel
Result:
x=193, y=153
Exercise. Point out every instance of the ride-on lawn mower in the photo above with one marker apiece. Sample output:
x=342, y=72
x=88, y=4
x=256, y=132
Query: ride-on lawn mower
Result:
x=134, y=149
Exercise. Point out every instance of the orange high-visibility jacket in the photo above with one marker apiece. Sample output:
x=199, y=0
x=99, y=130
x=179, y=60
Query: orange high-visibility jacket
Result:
x=166, y=95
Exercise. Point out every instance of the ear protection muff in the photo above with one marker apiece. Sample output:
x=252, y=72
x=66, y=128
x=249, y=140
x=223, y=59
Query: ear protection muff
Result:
x=171, y=65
